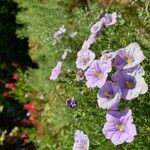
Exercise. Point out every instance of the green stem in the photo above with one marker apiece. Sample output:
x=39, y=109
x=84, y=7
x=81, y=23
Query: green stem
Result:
x=88, y=3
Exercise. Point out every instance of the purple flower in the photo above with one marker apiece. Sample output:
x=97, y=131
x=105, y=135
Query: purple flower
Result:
x=85, y=59
x=131, y=86
x=129, y=56
x=109, y=95
x=71, y=103
x=110, y=19
x=119, y=127
x=81, y=141
x=106, y=20
x=56, y=71
x=97, y=73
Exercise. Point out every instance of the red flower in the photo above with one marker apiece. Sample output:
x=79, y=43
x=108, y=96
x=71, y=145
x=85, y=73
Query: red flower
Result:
x=30, y=107
x=15, y=65
x=15, y=76
x=23, y=135
x=10, y=85
x=26, y=121
x=6, y=94
x=26, y=141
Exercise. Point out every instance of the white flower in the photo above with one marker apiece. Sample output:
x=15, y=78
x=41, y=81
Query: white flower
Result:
x=84, y=59
x=73, y=34
x=59, y=32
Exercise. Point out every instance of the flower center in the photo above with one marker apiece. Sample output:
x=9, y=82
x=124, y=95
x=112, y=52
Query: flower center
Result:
x=97, y=74
x=120, y=127
x=129, y=59
x=83, y=146
x=129, y=84
x=110, y=96
x=86, y=60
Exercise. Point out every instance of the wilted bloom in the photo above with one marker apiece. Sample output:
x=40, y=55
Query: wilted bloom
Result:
x=81, y=141
x=73, y=34
x=30, y=107
x=80, y=75
x=129, y=56
x=58, y=34
x=56, y=71
x=66, y=51
x=109, y=95
x=131, y=86
x=64, y=55
x=85, y=59
x=97, y=73
x=69, y=50
x=71, y=103
x=41, y=97
x=10, y=85
x=15, y=76
x=106, y=20
x=119, y=127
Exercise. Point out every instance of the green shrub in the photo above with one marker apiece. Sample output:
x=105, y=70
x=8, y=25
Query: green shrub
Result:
x=41, y=18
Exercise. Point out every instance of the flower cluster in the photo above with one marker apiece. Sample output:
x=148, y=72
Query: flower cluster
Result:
x=85, y=55
x=11, y=84
x=57, y=37
x=31, y=110
x=125, y=81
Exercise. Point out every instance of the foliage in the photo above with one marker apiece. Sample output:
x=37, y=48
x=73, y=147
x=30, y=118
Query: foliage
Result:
x=41, y=19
